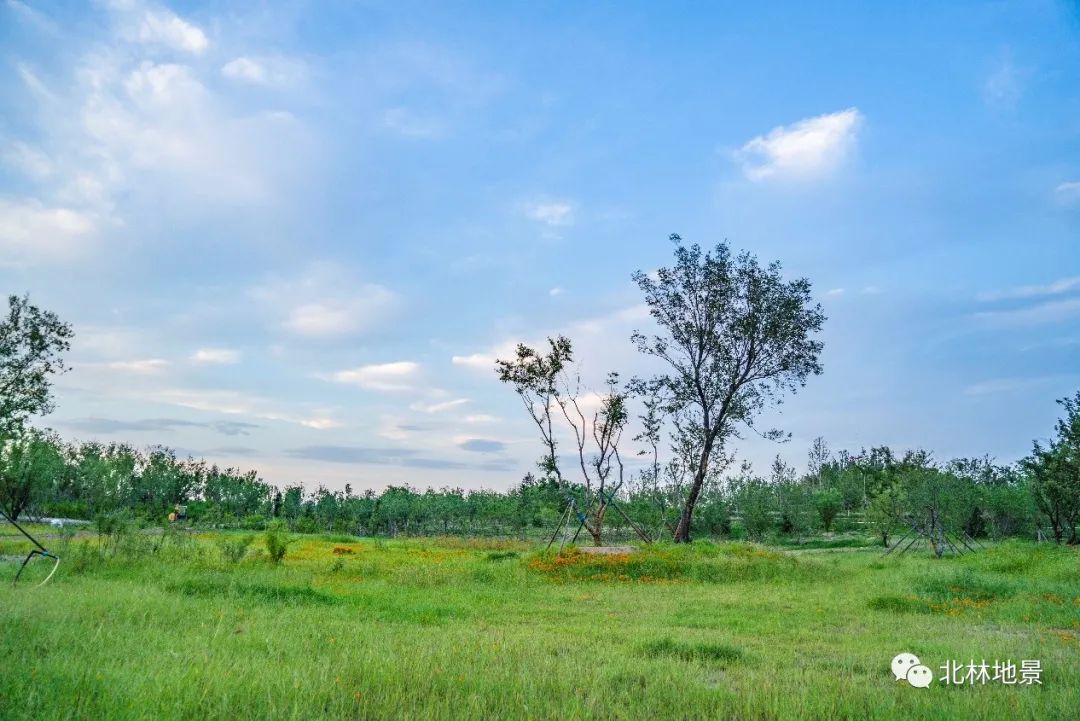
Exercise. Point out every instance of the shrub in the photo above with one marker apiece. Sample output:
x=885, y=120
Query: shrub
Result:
x=277, y=541
x=254, y=522
x=306, y=524
x=112, y=527
x=234, y=548
x=755, y=504
x=828, y=504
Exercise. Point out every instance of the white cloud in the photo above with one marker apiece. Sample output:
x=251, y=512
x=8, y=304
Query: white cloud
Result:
x=835, y=291
x=871, y=290
x=160, y=26
x=479, y=361
x=1057, y=287
x=555, y=213
x=440, y=407
x=244, y=69
x=555, y=292
x=391, y=377
x=481, y=418
x=325, y=302
x=27, y=160
x=808, y=149
x=1068, y=192
x=126, y=126
x=32, y=232
x=148, y=366
x=265, y=70
x=215, y=356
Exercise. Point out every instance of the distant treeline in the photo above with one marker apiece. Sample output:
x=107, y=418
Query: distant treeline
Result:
x=876, y=491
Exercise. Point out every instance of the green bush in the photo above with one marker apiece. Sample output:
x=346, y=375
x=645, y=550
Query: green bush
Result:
x=234, y=548
x=828, y=503
x=277, y=541
x=306, y=524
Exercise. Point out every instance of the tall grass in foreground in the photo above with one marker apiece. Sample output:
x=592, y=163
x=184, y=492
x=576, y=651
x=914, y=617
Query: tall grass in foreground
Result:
x=445, y=629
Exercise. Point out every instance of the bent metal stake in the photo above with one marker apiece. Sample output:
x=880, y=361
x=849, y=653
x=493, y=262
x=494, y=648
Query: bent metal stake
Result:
x=39, y=551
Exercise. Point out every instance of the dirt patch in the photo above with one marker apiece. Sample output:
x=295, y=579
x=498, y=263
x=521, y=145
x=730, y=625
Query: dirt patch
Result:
x=607, y=550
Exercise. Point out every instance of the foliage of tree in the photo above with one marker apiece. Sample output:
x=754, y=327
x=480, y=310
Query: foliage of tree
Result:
x=1055, y=474
x=32, y=344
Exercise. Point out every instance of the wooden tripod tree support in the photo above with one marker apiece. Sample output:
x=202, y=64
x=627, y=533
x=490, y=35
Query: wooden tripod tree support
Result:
x=567, y=514
x=915, y=533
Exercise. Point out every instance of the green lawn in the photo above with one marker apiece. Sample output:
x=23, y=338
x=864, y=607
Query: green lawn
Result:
x=459, y=630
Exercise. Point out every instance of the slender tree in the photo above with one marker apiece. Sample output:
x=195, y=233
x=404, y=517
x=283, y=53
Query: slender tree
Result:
x=735, y=337
x=535, y=378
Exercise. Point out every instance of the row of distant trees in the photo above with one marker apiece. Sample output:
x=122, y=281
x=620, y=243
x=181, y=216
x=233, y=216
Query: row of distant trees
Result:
x=876, y=492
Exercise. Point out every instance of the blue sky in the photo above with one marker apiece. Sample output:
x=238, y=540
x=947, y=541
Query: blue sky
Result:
x=294, y=236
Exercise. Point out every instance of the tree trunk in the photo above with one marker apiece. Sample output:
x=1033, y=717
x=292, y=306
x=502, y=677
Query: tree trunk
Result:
x=682, y=531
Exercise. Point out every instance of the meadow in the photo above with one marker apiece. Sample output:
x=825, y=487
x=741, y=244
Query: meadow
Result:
x=350, y=628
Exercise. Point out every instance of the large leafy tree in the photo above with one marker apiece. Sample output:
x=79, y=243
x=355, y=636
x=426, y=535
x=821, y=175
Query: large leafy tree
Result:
x=32, y=343
x=29, y=464
x=735, y=336
x=1054, y=472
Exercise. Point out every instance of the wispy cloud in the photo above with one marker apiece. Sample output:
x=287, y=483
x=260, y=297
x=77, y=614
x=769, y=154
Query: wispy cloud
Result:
x=1009, y=385
x=143, y=367
x=32, y=232
x=556, y=213
x=112, y=426
x=1068, y=192
x=1002, y=87
x=1055, y=311
x=231, y=402
x=482, y=445
x=265, y=70
x=391, y=377
x=159, y=26
x=804, y=150
x=1057, y=287
x=440, y=407
x=476, y=361
x=405, y=457
x=215, y=356
x=326, y=302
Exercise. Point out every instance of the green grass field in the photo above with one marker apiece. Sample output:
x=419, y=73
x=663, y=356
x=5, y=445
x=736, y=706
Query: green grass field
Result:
x=454, y=629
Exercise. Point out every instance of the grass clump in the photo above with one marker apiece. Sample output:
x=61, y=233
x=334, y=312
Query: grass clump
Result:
x=899, y=604
x=714, y=653
x=233, y=548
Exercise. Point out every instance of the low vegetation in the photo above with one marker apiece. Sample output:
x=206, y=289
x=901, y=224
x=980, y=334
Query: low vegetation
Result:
x=460, y=628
